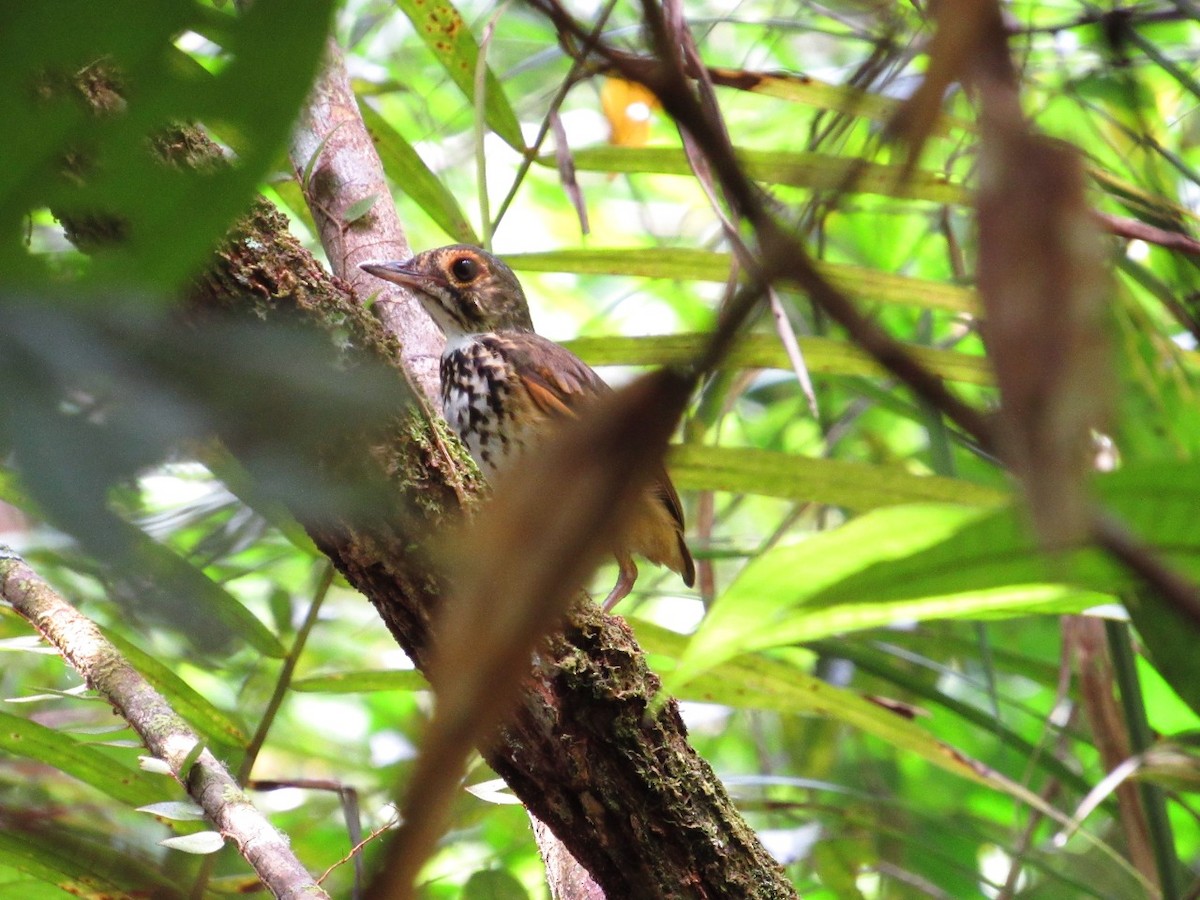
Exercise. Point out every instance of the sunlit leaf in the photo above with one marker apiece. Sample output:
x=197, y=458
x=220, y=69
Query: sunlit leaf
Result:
x=838, y=482
x=202, y=842
x=824, y=356
x=933, y=562
x=154, y=765
x=900, y=564
x=843, y=98
x=690, y=264
x=807, y=170
x=177, y=810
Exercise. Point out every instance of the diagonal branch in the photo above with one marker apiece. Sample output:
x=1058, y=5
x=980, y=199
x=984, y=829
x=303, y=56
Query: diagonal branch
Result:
x=332, y=147
x=164, y=733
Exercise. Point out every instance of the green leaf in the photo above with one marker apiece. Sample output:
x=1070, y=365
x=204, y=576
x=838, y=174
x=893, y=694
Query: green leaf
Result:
x=760, y=683
x=1150, y=207
x=687, y=264
x=176, y=810
x=76, y=865
x=877, y=554
x=201, y=843
x=11, y=492
x=22, y=737
x=939, y=562
x=160, y=220
x=493, y=884
x=1170, y=640
x=823, y=356
x=214, y=726
x=843, y=98
x=445, y=33
x=243, y=485
x=893, y=671
x=363, y=682
x=178, y=583
x=407, y=170
x=854, y=485
x=360, y=208
x=815, y=171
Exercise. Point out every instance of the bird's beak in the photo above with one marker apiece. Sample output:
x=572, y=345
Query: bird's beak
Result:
x=396, y=272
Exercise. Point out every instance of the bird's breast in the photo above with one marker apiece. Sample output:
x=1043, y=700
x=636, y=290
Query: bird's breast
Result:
x=478, y=389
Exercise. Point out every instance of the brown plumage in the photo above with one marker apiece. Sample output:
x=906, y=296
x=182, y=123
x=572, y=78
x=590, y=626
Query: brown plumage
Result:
x=502, y=384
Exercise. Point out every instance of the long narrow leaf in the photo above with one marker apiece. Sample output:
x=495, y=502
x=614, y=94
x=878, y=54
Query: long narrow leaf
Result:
x=838, y=482
x=689, y=264
x=444, y=32
x=365, y=682
x=815, y=171
x=824, y=356
x=22, y=737
x=217, y=728
x=406, y=169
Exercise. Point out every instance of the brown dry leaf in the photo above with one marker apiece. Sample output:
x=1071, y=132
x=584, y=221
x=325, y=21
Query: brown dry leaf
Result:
x=566, y=170
x=962, y=27
x=518, y=566
x=1085, y=641
x=627, y=105
x=1044, y=283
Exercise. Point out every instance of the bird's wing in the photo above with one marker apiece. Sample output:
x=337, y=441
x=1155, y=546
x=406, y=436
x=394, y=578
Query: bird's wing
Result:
x=558, y=382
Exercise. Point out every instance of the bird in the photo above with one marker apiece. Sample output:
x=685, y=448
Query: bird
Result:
x=503, y=386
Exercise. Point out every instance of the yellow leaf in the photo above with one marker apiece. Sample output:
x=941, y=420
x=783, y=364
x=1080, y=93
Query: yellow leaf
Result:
x=627, y=105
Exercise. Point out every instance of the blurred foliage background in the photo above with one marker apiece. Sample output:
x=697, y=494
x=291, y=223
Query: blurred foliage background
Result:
x=871, y=610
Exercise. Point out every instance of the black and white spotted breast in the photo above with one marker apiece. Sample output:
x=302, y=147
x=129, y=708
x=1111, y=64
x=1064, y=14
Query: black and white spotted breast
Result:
x=477, y=400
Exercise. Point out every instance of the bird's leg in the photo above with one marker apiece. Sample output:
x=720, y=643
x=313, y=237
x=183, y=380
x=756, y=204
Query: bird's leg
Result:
x=624, y=582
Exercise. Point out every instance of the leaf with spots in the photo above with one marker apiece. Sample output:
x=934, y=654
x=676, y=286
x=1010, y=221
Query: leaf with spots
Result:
x=444, y=32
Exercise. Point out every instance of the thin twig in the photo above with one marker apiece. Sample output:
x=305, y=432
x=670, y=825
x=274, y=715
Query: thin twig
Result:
x=1116, y=539
x=781, y=255
x=480, y=88
x=284, y=681
x=559, y=96
x=1141, y=231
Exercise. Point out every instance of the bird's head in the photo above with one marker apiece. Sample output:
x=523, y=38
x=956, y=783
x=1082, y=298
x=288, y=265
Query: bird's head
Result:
x=464, y=289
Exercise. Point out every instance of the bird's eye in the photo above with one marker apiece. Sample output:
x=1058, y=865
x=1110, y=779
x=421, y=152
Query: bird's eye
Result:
x=464, y=269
